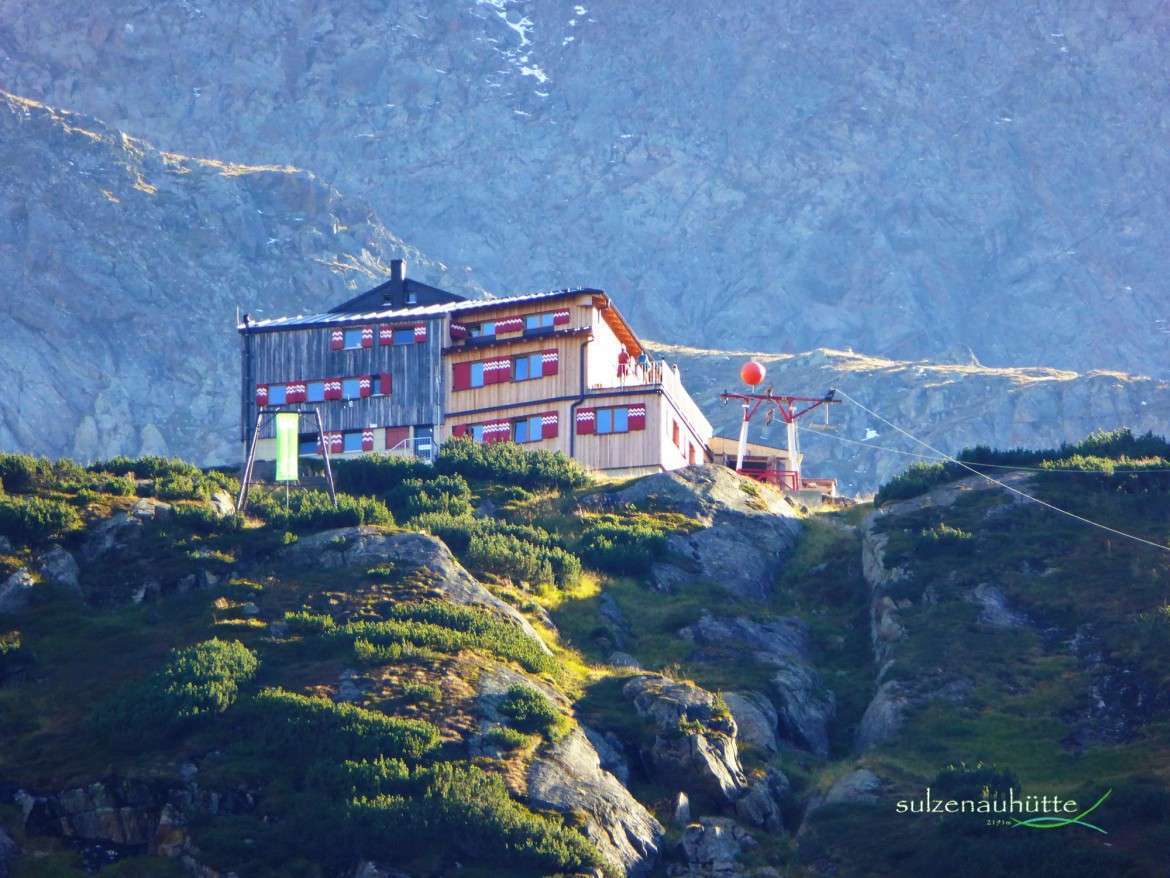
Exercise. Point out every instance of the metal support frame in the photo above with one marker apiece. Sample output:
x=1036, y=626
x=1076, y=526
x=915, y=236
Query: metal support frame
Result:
x=249, y=462
x=790, y=408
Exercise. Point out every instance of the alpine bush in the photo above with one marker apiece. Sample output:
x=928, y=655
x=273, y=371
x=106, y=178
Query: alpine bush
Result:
x=531, y=711
x=447, y=495
x=622, y=547
x=509, y=463
x=378, y=473
x=313, y=510
x=34, y=519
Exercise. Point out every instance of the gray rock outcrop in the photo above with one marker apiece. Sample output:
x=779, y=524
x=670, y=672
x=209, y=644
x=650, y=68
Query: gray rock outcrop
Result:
x=16, y=591
x=425, y=555
x=711, y=848
x=755, y=718
x=694, y=744
x=746, y=528
x=804, y=704
x=59, y=567
x=8, y=853
x=567, y=776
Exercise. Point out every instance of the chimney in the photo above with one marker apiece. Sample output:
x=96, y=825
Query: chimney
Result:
x=394, y=290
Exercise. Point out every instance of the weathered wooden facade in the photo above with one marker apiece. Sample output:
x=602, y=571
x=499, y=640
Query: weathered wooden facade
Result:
x=558, y=370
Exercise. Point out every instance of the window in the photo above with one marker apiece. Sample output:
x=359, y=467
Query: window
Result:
x=674, y=434
x=276, y=394
x=412, y=298
x=691, y=453
x=478, y=330
x=350, y=388
x=353, y=338
x=404, y=336
x=307, y=444
x=613, y=420
x=477, y=375
x=536, y=322
x=529, y=366
x=527, y=429
x=315, y=391
x=476, y=432
x=353, y=441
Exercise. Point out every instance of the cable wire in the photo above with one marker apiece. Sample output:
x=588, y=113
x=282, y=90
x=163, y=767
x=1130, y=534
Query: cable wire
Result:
x=1003, y=485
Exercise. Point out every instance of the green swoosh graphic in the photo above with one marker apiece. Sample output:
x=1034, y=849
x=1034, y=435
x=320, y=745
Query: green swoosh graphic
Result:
x=1049, y=822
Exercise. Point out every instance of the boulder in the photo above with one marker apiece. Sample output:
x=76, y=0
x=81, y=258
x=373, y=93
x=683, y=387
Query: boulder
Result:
x=804, y=704
x=8, y=853
x=712, y=847
x=16, y=591
x=760, y=807
x=111, y=534
x=884, y=715
x=755, y=718
x=369, y=546
x=859, y=787
x=994, y=611
x=124, y=813
x=695, y=736
x=567, y=777
x=60, y=568
x=611, y=752
x=223, y=504
x=746, y=528
x=150, y=509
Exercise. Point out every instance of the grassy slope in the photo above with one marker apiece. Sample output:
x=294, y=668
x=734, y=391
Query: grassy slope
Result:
x=1024, y=684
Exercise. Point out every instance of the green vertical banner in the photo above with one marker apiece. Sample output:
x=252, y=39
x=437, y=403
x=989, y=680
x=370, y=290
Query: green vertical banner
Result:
x=287, y=424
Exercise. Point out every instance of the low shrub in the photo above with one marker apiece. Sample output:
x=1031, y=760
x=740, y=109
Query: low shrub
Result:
x=195, y=683
x=460, y=805
x=509, y=463
x=415, y=692
x=32, y=519
x=507, y=738
x=304, y=622
x=378, y=473
x=621, y=547
x=446, y=627
x=531, y=711
x=312, y=729
x=22, y=473
x=148, y=467
x=448, y=495
x=204, y=519
x=313, y=510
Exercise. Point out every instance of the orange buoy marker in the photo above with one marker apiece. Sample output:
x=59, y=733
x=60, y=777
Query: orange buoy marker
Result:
x=752, y=373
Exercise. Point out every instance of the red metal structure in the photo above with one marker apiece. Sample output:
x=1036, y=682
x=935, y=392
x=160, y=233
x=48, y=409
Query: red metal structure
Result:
x=789, y=408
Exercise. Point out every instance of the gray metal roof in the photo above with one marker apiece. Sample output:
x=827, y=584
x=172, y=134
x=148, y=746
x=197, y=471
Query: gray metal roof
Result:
x=329, y=317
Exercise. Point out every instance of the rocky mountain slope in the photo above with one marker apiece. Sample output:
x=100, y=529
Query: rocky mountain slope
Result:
x=916, y=181
x=124, y=265
x=326, y=692
x=951, y=407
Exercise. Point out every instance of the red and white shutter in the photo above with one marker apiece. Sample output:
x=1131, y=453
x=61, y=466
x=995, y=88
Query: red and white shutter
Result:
x=384, y=383
x=549, y=361
x=548, y=425
x=500, y=371
x=560, y=318
x=636, y=416
x=459, y=430
x=499, y=431
x=336, y=340
x=509, y=324
x=261, y=394
x=365, y=385
x=292, y=392
x=367, y=336
x=585, y=420
x=333, y=388
x=336, y=443
x=385, y=334
x=458, y=331
x=460, y=376
x=368, y=439
x=420, y=332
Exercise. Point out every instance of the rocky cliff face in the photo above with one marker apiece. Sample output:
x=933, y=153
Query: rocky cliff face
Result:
x=123, y=267
x=912, y=181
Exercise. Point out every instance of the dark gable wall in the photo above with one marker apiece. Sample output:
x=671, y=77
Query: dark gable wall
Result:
x=304, y=354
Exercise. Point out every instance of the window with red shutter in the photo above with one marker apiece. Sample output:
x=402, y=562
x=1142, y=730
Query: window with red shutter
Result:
x=585, y=420
x=367, y=336
x=261, y=394
x=367, y=440
x=365, y=385
x=385, y=334
x=384, y=384
x=551, y=360
x=560, y=318
x=636, y=418
x=420, y=332
x=459, y=430
x=336, y=340
x=460, y=376
x=548, y=425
